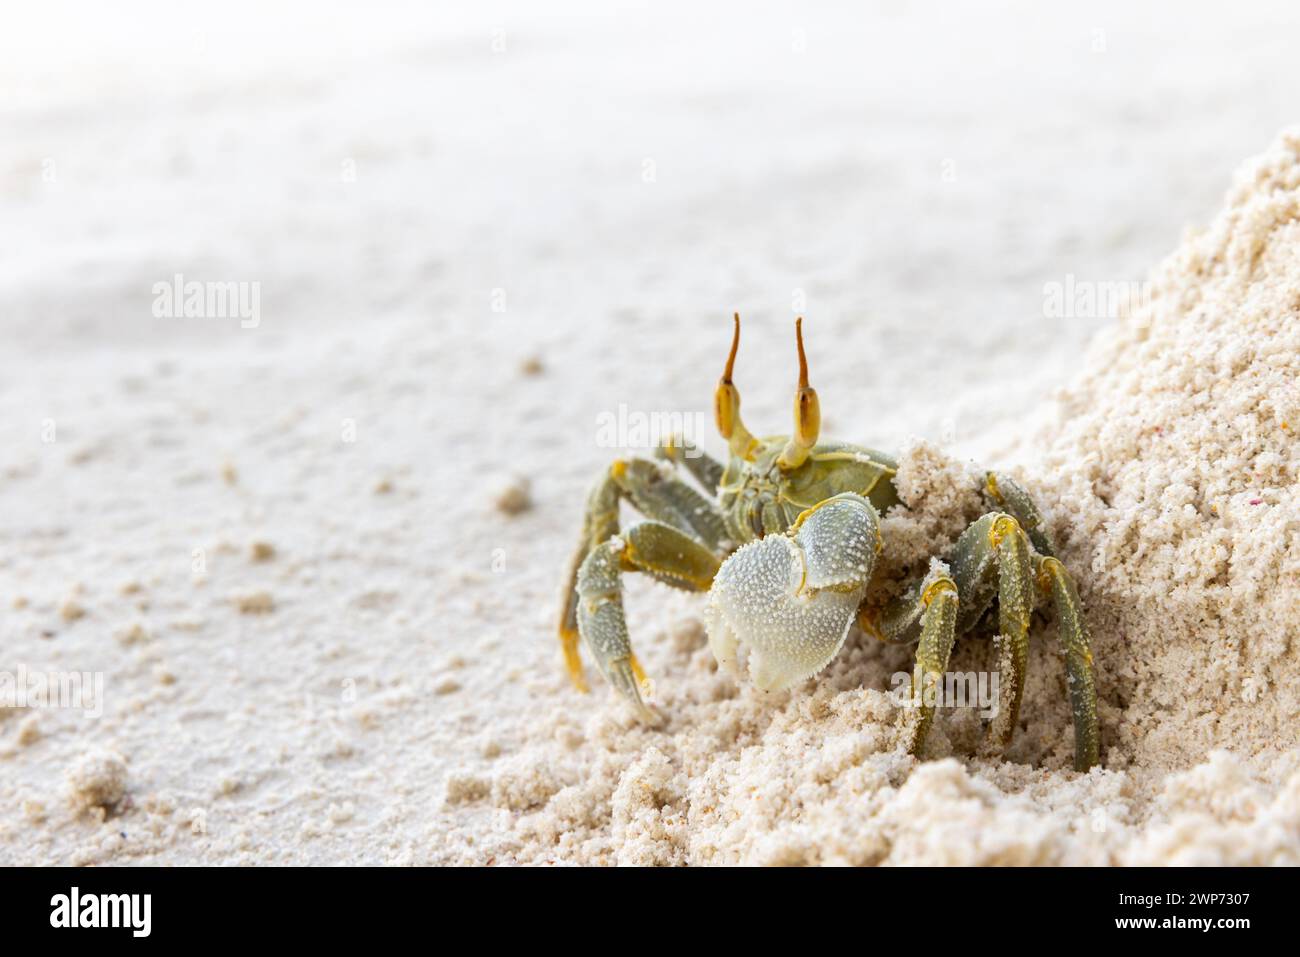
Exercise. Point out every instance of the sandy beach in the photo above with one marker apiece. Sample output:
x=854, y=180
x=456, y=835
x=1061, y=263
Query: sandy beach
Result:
x=305, y=540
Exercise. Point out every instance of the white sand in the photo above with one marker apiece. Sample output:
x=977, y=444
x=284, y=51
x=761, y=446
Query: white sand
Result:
x=300, y=554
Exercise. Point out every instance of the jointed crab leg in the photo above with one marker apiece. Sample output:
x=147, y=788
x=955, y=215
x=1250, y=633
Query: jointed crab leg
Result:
x=670, y=556
x=1007, y=541
x=601, y=622
x=1073, y=630
x=992, y=558
x=599, y=522
x=1008, y=496
x=1078, y=659
x=678, y=549
x=931, y=606
x=703, y=467
x=655, y=492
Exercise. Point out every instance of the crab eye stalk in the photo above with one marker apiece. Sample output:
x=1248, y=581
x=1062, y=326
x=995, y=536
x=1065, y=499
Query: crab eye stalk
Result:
x=726, y=406
x=807, y=412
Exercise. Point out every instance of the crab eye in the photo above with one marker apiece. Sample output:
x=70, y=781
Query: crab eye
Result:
x=807, y=412
x=726, y=406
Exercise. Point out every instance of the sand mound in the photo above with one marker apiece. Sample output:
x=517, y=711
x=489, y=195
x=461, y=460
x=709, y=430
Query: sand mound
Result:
x=1178, y=452
x=1170, y=483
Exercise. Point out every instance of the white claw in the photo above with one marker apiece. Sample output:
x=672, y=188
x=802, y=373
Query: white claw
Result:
x=722, y=640
x=791, y=598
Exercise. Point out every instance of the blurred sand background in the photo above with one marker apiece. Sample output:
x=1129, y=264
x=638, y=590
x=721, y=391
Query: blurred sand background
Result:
x=475, y=230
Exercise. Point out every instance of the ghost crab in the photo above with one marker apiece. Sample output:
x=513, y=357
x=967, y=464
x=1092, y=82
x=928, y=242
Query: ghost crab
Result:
x=786, y=549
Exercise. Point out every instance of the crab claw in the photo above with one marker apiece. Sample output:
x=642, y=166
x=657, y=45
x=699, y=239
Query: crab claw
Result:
x=791, y=598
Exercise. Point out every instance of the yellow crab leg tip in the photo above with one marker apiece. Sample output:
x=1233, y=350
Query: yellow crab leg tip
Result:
x=991, y=485
x=573, y=663
x=935, y=588
x=1003, y=526
x=637, y=670
x=1050, y=567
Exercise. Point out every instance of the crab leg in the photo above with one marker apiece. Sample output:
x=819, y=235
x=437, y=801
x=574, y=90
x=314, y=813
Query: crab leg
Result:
x=655, y=492
x=990, y=559
x=1053, y=577
x=660, y=550
x=928, y=615
x=1008, y=496
x=996, y=541
x=993, y=558
x=599, y=522
x=703, y=467
x=678, y=548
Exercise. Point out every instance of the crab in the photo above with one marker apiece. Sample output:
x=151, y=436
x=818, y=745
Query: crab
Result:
x=785, y=544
